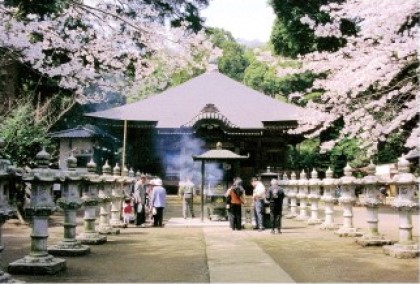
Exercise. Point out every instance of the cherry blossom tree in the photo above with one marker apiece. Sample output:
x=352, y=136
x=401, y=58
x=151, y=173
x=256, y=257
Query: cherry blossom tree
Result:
x=370, y=83
x=111, y=45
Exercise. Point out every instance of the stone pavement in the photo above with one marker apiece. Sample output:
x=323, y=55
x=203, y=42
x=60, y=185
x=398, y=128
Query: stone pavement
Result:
x=191, y=251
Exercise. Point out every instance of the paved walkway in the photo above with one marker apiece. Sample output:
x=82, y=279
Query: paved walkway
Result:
x=232, y=257
x=191, y=251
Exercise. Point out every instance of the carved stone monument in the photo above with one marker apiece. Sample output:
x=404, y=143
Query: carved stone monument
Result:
x=117, y=194
x=39, y=261
x=70, y=202
x=105, y=197
x=405, y=203
x=371, y=201
x=302, y=195
x=347, y=199
x=5, y=209
x=91, y=185
x=292, y=185
x=314, y=195
x=329, y=185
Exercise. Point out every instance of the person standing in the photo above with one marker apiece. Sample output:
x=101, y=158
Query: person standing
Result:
x=186, y=192
x=127, y=211
x=157, y=202
x=139, y=196
x=236, y=193
x=275, y=196
x=258, y=197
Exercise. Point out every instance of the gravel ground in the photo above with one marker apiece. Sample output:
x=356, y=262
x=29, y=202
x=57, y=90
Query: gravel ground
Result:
x=306, y=253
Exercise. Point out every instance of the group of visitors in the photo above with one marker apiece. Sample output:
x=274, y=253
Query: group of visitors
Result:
x=274, y=196
x=146, y=202
x=148, y=199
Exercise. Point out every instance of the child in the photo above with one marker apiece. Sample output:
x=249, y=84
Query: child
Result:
x=127, y=211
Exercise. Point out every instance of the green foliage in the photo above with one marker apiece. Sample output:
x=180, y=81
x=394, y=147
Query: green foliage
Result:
x=391, y=149
x=234, y=61
x=184, y=75
x=290, y=37
x=23, y=137
x=347, y=151
x=37, y=6
x=307, y=156
x=262, y=77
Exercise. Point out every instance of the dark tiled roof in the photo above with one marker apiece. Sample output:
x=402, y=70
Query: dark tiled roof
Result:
x=176, y=107
x=86, y=131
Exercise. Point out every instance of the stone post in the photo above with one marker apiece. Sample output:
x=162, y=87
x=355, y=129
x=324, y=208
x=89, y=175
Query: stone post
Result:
x=292, y=185
x=41, y=207
x=5, y=209
x=371, y=201
x=329, y=184
x=405, y=203
x=91, y=185
x=117, y=194
x=314, y=195
x=302, y=195
x=105, y=201
x=70, y=202
x=347, y=199
x=283, y=184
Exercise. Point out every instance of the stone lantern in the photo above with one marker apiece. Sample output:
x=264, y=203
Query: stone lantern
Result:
x=128, y=189
x=5, y=177
x=302, y=195
x=5, y=209
x=284, y=184
x=314, y=195
x=70, y=202
x=91, y=185
x=329, y=185
x=41, y=207
x=371, y=201
x=122, y=184
x=105, y=196
x=347, y=199
x=405, y=203
x=291, y=193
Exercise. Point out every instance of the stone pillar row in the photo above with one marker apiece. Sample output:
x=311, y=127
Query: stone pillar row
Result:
x=301, y=191
x=78, y=189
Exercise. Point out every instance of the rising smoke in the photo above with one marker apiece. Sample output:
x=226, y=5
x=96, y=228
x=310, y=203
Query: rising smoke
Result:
x=182, y=164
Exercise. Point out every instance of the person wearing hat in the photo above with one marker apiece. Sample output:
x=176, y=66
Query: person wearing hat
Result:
x=140, y=197
x=157, y=202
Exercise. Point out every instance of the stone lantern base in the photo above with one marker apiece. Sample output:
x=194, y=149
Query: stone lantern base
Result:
x=37, y=265
x=328, y=227
x=69, y=248
x=313, y=221
x=403, y=250
x=91, y=239
x=6, y=278
x=302, y=218
x=348, y=232
x=108, y=230
x=291, y=215
x=367, y=240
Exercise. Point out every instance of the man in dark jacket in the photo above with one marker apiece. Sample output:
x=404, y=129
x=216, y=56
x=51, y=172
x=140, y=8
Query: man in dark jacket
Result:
x=275, y=196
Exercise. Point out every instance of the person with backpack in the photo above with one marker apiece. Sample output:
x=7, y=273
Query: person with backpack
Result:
x=236, y=194
x=275, y=196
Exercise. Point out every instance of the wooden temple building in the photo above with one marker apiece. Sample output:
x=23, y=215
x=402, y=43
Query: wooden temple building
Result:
x=162, y=132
